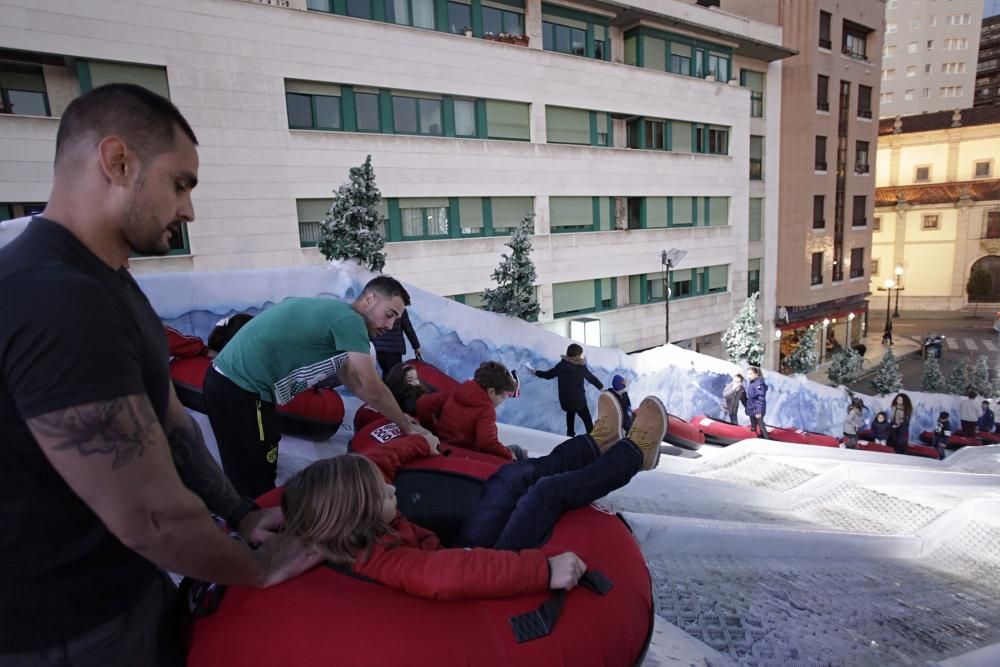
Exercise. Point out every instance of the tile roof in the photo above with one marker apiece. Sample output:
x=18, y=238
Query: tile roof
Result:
x=941, y=120
x=938, y=193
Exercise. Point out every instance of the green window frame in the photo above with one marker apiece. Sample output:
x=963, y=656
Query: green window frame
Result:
x=424, y=218
x=581, y=297
x=454, y=217
x=756, y=157
x=311, y=213
x=755, y=82
x=178, y=245
x=575, y=33
x=427, y=115
x=471, y=299
x=6, y=212
x=569, y=215
x=506, y=120
x=12, y=210
x=753, y=276
x=676, y=136
x=756, y=217
x=313, y=106
x=671, y=212
x=22, y=86
x=581, y=127
x=677, y=54
x=94, y=73
x=711, y=139
x=645, y=288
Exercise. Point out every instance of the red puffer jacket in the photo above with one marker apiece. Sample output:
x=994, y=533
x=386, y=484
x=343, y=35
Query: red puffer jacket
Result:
x=413, y=560
x=463, y=417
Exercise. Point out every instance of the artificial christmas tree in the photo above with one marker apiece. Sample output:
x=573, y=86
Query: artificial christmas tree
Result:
x=887, y=378
x=742, y=338
x=958, y=379
x=515, y=276
x=354, y=224
x=845, y=367
x=805, y=358
x=980, y=379
x=933, y=377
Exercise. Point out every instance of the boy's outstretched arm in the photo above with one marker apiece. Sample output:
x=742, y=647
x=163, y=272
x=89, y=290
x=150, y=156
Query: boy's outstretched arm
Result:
x=592, y=379
x=396, y=453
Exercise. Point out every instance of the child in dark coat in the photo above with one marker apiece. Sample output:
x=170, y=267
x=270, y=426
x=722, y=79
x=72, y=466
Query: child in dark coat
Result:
x=618, y=387
x=942, y=431
x=881, y=429
x=986, y=420
x=571, y=372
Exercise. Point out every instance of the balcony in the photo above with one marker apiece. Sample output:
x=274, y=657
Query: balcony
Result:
x=820, y=166
x=819, y=223
x=756, y=169
x=822, y=106
x=859, y=222
x=865, y=113
x=861, y=168
x=825, y=43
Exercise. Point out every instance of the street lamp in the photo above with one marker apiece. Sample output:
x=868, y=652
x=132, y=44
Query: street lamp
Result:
x=887, y=288
x=670, y=259
x=898, y=288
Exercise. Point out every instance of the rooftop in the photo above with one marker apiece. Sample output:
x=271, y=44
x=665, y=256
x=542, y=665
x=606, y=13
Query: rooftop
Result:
x=940, y=120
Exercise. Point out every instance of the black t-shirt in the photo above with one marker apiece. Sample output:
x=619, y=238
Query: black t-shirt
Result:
x=72, y=331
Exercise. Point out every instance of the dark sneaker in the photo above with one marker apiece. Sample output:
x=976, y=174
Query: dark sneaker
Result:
x=607, y=429
x=648, y=429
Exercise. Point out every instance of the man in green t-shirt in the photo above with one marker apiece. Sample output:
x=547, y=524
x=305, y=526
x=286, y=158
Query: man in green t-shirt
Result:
x=285, y=350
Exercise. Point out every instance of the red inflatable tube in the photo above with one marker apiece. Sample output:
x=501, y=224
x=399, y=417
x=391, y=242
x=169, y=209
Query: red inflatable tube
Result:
x=682, y=434
x=954, y=441
x=329, y=617
x=315, y=414
x=431, y=376
x=718, y=432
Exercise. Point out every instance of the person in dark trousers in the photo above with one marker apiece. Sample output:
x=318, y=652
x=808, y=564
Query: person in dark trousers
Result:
x=942, y=431
x=987, y=423
x=969, y=410
x=756, y=405
x=734, y=395
x=619, y=388
x=899, y=423
x=881, y=431
x=571, y=372
x=390, y=346
x=853, y=422
x=887, y=334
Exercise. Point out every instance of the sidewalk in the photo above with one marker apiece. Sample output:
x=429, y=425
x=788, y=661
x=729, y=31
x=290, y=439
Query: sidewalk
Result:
x=901, y=347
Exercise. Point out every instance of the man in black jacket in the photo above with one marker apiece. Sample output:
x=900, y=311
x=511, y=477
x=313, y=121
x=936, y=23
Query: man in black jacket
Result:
x=390, y=346
x=572, y=371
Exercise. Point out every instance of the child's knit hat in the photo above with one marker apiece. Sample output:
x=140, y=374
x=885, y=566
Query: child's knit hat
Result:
x=618, y=383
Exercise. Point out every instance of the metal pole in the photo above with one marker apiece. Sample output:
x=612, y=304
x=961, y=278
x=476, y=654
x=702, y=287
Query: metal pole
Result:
x=666, y=302
x=895, y=312
x=888, y=308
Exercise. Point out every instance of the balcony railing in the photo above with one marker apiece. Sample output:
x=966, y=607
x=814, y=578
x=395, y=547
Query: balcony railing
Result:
x=820, y=166
x=825, y=43
x=865, y=113
x=819, y=223
x=822, y=106
x=756, y=169
x=859, y=222
x=861, y=168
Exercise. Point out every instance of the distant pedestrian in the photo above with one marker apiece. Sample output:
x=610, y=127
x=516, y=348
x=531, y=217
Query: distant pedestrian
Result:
x=390, y=346
x=887, y=336
x=756, y=405
x=619, y=387
x=572, y=371
x=734, y=395
x=899, y=423
x=987, y=423
x=968, y=413
x=942, y=431
x=852, y=422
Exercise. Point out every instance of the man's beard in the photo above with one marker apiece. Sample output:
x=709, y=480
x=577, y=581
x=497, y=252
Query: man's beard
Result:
x=143, y=232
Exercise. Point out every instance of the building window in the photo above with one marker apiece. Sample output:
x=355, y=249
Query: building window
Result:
x=864, y=101
x=822, y=93
x=584, y=296
x=313, y=106
x=984, y=168
x=886, y=98
x=575, y=33
x=930, y=44
x=712, y=139
x=9, y=211
x=577, y=126
x=951, y=91
x=855, y=41
x=891, y=28
x=908, y=95
x=366, y=111
x=857, y=263
x=926, y=93
x=506, y=213
x=876, y=224
x=22, y=90
x=581, y=214
x=498, y=20
x=684, y=283
x=756, y=219
x=914, y=24
x=425, y=218
x=756, y=158
x=753, y=276
x=755, y=82
x=911, y=71
x=911, y=48
x=817, y=269
x=922, y=174
x=873, y=268
x=472, y=299
x=930, y=221
x=416, y=115
x=507, y=120
x=993, y=225
x=860, y=204
x=824, y=30
x=677, y=54
x=888, y=74
x=819, y=160
x=861, y=165
x=819, y=220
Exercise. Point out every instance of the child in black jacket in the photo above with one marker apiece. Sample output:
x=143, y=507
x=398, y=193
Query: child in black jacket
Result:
x=942, y=431
x=571, y=372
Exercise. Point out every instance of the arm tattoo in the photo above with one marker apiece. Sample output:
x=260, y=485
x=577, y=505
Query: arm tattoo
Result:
x=120, y=427
x=198, y=470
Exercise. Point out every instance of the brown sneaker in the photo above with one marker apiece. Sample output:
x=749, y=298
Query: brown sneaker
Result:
x=648, y=429
x=607, y=429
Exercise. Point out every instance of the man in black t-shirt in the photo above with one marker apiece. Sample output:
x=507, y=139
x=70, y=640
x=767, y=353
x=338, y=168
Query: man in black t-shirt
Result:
x=105, y=481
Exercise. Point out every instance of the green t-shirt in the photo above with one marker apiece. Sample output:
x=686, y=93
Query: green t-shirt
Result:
x=292, y=346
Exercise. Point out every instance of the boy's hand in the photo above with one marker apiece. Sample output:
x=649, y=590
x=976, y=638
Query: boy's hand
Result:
x=565, y=570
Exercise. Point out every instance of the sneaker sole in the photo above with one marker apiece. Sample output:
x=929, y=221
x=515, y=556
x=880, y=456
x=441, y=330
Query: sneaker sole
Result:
x=666, y=423
x=611, y=404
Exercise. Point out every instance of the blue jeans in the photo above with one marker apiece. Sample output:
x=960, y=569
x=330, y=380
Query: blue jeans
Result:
x=522, y=501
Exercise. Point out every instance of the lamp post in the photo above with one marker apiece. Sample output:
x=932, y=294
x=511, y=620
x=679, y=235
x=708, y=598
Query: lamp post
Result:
x=887, y=288
x=670, y=259
x=898, y=288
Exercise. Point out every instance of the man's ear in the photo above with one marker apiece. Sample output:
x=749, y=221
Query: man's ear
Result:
x=115, y=160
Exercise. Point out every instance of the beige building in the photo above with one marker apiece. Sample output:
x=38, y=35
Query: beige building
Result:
x=938, y=206
x=828, y=143
x=929, y=56
x=626, y=128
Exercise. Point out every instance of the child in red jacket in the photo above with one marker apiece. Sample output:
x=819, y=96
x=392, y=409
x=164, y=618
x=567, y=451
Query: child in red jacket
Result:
x=345, y=507
x=466, y=416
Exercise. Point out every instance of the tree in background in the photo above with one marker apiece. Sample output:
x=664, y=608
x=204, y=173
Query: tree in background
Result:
x=887, y=378
x=515, y=276
x=742, y=338
x=845, y=367
x=353, y=226
x=934, y=381
x=958, y=379
x=979, y=380
x=805, y=358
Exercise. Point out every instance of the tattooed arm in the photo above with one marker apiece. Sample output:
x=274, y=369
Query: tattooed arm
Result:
x=115, y=456
x=202, y=475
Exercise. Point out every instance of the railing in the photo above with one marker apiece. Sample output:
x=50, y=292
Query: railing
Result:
x=820, y=166
x=861, y=168
x=819, y=223
x=865, y=113
x=857, y=55
x=825, y=43
x=822, y=106
x=859, y=222
x=756, y=169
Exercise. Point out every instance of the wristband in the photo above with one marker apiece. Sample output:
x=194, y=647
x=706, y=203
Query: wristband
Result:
x=246, y=506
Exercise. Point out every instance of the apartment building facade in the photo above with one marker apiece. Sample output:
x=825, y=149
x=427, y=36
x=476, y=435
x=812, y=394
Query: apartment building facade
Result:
x=828, y=137
x=988, y=65
x=937, y=216
x=625, y=131
x=929, y=55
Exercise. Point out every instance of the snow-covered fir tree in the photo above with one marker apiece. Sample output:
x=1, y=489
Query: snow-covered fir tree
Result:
x=980, y=379
x=354, y=224
x=845, y=367
x=805, y=358
x=515, y=276
x=933, y=377
x=887, y=378
x=742, y=338
x=958, y=379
